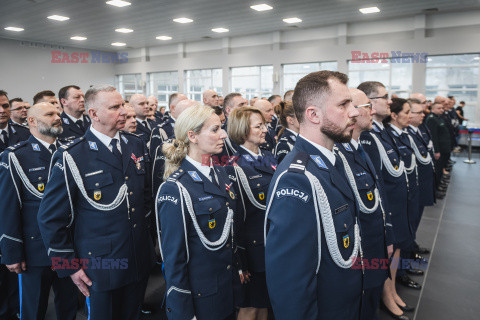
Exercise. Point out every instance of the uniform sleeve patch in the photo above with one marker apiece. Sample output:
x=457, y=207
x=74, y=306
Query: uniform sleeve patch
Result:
x=59, y=165
x=168, y=198
x=3, y=164
x=291, y=192
x=366, y=142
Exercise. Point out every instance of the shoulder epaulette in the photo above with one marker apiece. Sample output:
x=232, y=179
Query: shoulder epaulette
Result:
x=299, y=163
x=177, y=174
x=71, y=143
x=130, y=133
x=17, y=146
x=18, y=125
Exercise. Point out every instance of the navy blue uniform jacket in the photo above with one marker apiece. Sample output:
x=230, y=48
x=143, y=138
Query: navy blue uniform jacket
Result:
x=71, y=130
x=16, y=134
x=120, y=234
x=292, y=253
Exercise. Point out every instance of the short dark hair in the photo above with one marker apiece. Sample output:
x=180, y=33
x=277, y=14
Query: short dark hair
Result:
x=218, y=110
x=289, y=92
x=229, y=97
x=3, y=93
x=15, y=100
x=313, y=86
x=273, y=97
x=63, y=92
x=39, y=96
x=461, y=102
x=370, y=87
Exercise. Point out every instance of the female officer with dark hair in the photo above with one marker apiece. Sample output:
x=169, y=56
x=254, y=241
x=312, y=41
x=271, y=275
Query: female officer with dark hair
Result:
x=253, y=170
x=397, y=123
x=289, y=131
x=195, y=209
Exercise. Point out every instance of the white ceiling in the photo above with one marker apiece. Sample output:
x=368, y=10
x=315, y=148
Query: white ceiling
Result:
x=150, y=18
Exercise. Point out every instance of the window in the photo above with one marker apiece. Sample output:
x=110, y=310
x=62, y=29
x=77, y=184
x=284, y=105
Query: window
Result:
x=454, y=75
x=252, y=81
x=129, y=84
x=162, y=85
x=197, y=81
x=294, y=72
x=396, y=75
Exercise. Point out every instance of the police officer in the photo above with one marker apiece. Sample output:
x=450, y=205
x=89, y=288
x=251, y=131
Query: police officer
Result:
x=142, y=109
x=231, y=102
x=74, y=121
x=23, y=175
x=310, y=204
x=157, y=140
x=10, y=133
x=270, y=137
x=168, y=123
x=386, y=160
x=96, y=208
x=252, y=168
x=195, y=213
x=289, y=131
x=426, y=170
x=376, y=227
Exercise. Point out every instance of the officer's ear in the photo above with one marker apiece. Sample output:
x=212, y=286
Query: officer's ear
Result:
x=93, y=114
x=192, y=136
x=312, y=113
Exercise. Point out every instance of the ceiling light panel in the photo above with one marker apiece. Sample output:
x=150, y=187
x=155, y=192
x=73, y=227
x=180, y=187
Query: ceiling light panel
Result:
x=78, y=38
x=292, y=20
x=16, y=29
x=118, y=3
x=124, y=30
x=261, y=7
x=58, y=18
x=220, y=30
x=118, y=44
x=369, y=10
x=183, y=20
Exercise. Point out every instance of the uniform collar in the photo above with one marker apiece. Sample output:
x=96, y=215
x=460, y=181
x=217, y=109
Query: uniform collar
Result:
x=292, y=132
x=205, y=170
x=327, y=153
x=379, y=124
x=354, y=143
x=73, y=118
x=6, y=130
x=396, y=129
x=415, y=129
x=252, y=153
x=103, y=137
x=46, y=144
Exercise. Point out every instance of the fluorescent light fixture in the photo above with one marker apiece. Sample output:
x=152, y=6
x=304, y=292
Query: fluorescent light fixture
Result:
x=118, y=44
x=124, y=30
x=429, y=59
x=164, y=38
x=14, y=29
x=183, y=20
x=261, y=7
x=292, y=20
x=78, y=38
x=220, y=30
x=118, y=3
x=58, y=18
x=369, y=10
x=476, y=58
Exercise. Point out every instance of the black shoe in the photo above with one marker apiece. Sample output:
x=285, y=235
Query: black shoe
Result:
x=145, y=310
x=418, y=258
x=391, y=314
x=415, y=272
x=407, y=308
x=409, y=283
x=421, y=250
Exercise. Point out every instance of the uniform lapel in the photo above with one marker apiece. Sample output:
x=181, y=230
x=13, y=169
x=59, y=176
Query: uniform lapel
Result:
x=208, y=186
x=101, y=151
x=127, y=152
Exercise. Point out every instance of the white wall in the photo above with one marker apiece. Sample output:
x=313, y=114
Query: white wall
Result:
x=26, y=70
x=437, y=34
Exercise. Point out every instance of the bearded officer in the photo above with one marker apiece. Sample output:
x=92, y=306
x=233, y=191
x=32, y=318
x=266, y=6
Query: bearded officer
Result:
x=23, y=175
x=309, y=204
x=96, y=208
x=377, y=242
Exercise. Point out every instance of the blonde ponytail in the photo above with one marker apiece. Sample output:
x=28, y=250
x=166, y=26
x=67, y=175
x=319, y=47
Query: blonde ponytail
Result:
x=192, y=119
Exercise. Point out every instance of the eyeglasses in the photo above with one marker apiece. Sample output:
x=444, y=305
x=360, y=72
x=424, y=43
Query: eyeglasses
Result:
x=419, y=112
x=20, y=108
x=366, y=106
x=382, y=97
x=261, y=127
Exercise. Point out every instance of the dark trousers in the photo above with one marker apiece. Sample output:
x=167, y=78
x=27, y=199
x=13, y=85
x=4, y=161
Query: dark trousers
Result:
x=36, y=284
x=120, y=304
x=440, y=164
x=9, y=298
x=370, y=303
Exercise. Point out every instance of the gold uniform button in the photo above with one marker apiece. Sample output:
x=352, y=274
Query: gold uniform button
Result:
x=390, y=213
x=135, y=225
x=258, y=184
x=97, y=184
x=254, y=241
x=89, y=253
x=181, y=170
x=228, y=267
x=133, y=209
x=131, y=193
x=366, y=184
x=228, y=245
x=31, y=238
x=345, y=225
x=210, y=209
x=226, y=204
x=199, y=294
x=126, y=177
x=39, y=178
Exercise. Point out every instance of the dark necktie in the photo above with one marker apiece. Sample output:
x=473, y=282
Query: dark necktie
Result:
x=5, y=137
x=213, y=177
x=362, y=152
x=52, y=148
x=80, y=124
x=145, y=123
x=115, y=150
